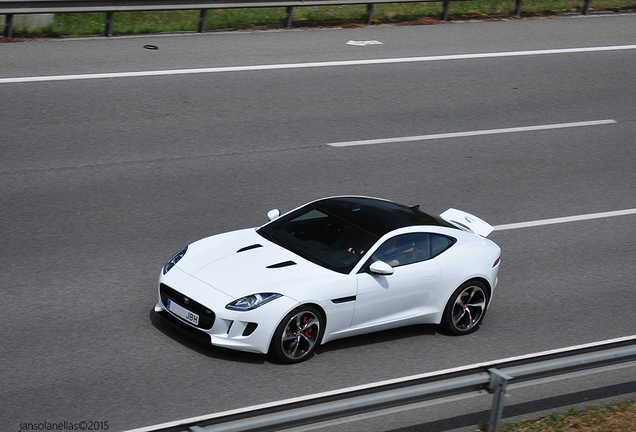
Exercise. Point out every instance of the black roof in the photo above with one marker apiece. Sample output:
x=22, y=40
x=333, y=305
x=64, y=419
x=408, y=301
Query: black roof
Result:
x=377, y=216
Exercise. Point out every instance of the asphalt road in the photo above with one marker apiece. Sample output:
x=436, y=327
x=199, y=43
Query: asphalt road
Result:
x=104, y=179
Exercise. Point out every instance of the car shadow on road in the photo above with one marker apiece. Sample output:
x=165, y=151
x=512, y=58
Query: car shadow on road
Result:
x=200, y=347
x=380, y=337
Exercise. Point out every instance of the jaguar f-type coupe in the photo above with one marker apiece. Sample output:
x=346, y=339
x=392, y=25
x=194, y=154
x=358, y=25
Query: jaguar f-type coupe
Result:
x=333, y=268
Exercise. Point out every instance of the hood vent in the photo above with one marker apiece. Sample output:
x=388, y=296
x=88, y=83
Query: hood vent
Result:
x=246, y=248
x=282, y=264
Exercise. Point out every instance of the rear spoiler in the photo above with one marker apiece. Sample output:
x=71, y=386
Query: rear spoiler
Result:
x=466, y=221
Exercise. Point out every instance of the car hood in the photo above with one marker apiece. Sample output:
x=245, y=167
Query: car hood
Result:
x=241, y=263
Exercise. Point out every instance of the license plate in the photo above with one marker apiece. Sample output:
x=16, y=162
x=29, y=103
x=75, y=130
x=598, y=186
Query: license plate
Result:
x=183, y=312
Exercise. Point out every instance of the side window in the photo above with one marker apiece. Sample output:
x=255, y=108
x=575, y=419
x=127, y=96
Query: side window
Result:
x=439, y=244
x=411, y=248
x=404, y=249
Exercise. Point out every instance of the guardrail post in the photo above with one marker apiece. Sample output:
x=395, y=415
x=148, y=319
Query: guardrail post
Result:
x=498, y=384
x=445, y=10
x=369, y=13
x=8, y=26
x=517, y=8
x=288, y=17
x=109, y=24
x=202, y=19
x=586, y=7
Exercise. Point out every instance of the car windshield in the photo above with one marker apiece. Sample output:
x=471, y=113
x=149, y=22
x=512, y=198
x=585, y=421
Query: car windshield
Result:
x=320, y=237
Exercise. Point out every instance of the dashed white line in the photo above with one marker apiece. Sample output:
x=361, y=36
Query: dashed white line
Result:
x=364, y=43
x=312, y=64
x=566, y=219
x=471, y=133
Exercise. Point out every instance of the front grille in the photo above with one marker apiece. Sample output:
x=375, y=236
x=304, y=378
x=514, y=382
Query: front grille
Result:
x=206, y=316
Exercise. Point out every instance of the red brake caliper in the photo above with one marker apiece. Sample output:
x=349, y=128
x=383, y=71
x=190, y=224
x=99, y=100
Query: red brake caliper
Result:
x=309, y=330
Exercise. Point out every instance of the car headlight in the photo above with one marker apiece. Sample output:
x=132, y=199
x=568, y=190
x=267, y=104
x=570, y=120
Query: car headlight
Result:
x=174, y=260
x=252, y=301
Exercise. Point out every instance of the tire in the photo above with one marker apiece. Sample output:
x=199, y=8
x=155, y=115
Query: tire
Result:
x=466, y=308
x=298, y=334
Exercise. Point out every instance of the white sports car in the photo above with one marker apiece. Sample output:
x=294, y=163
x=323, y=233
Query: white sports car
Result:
x=332, y=268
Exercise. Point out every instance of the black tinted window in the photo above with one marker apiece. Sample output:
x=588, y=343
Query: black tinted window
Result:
x=320, y=237
x=439, y=244
x=411, y=248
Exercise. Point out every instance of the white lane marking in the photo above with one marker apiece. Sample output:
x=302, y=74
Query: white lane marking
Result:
x=364, y=43
x=311, y=65
x=471, y=133
x=378, y=384
x=566, y=219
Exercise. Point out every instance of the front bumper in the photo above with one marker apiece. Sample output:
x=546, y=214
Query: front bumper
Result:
x=249, y=331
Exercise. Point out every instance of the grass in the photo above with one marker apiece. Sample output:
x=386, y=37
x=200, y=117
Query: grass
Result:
x=619, y=417
x=318, y=16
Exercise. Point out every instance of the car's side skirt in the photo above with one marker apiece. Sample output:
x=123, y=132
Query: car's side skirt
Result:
x=428, y=316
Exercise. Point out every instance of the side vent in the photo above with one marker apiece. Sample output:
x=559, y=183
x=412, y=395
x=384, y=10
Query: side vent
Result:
x=246, y=248
x=249, y=329
x=282, y=264
x=343, y=300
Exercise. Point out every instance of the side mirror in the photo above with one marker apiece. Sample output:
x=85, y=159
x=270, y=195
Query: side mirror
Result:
x=273, y=214
x=381, y=268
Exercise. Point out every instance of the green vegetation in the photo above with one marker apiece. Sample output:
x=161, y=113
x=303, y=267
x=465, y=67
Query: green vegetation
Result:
x=319, y=16
x=620, y=417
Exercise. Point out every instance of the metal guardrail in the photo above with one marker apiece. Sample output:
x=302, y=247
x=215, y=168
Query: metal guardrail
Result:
x=11, y=7
x=492, y=376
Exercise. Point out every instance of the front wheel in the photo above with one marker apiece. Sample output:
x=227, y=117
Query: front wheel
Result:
x=466, y=308
x=297, y=335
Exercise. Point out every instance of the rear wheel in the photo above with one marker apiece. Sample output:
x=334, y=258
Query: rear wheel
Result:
x=297, y=335
x=466, y=308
